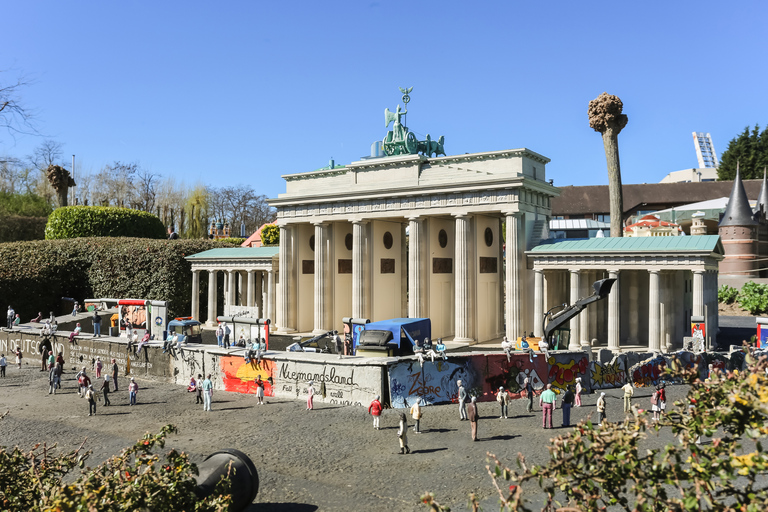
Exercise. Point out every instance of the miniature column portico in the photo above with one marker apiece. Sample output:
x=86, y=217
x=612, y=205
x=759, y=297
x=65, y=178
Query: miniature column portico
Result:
x=646, y=304
x=415, y=234
x=252, y=264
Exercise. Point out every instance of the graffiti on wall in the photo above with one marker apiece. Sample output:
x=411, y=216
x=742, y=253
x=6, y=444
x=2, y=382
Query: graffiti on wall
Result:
x=648, y=372
x=482, y=375
x=239, y=376
x=608, y=375
x=564, y=368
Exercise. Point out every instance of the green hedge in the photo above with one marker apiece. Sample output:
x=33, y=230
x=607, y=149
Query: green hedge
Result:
x=35, y=275
x=14, y=228
x=89, y=221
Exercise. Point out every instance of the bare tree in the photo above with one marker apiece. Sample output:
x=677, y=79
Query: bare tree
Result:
x=146, y=193
x=170, y=202
x=115, y=185
x=239, y=205
x=48, y=153
x=605, y=116
x=14, y=117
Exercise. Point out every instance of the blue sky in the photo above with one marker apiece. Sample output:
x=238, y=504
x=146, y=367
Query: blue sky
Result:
x=233, y=92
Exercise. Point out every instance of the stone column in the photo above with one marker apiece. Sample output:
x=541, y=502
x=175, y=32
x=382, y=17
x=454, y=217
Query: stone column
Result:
x=634, y=307
x=584, y=290
x=698, y=293
x=286, y=296
x=231, y=274
x=259, y=294
x=538, y=301
x=358, y=269
x=196, y=295
x=573, y=344
x=271, y=296
x=416, y=271
x=321, y=285
x=512, y=281
x=403, y=272
x=212, y=313
x=654, y=323
x=614, y=313
x=462, y=278
x=251, y=283
x=240, y=297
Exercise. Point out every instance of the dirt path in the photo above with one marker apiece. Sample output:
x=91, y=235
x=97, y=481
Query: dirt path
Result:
x=326, y=459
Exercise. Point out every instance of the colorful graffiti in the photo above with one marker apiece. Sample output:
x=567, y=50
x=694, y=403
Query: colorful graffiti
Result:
x=648, y=372
x=239, y=376
x=564, y=368
x=482, y=375
x=608, y=375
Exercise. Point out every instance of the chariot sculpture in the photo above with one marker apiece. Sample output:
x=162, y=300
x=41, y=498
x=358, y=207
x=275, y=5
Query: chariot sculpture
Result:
x=400, y=141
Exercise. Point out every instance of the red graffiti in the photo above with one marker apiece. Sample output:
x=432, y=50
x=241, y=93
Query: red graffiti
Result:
x=417, y=388
x=562, y=375
x=649, y=373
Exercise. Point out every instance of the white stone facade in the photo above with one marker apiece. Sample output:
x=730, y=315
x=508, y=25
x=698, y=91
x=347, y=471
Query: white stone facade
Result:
x=344, y=249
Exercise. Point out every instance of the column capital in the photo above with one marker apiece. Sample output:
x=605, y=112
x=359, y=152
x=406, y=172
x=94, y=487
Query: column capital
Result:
x=613, y=271
x=574, y=270
x=515, y=213
x=538, y=270
x=698, y=271
x=320, y=223
x=460, y=215
x=361, y=222
x=251, y=270
x=654, y=271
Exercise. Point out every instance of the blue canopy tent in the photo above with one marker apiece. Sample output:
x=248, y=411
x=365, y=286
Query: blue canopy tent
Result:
x=405, y=331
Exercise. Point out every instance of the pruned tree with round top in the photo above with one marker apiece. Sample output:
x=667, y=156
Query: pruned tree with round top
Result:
x=606, y=117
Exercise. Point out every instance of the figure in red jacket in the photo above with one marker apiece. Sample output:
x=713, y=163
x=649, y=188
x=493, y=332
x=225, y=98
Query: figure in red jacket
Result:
x=375, y=410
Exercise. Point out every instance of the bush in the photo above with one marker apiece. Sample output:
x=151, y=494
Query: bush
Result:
x=609, y=468
x=232, y=241
x=137, y=479
x=24, y=205
x=270, y=235
x=86, y=221
x=35, y=275
x=727, y=294
x=754, y=298
x=14, y=228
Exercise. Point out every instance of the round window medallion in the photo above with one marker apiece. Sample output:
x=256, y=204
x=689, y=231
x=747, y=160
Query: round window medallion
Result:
x=442, y=238
x=387, y=240
x=312, y=242
x=488, y=237
x=348, y=241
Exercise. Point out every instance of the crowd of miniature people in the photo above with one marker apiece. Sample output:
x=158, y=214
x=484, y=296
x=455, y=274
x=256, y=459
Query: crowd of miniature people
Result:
x=105, y=379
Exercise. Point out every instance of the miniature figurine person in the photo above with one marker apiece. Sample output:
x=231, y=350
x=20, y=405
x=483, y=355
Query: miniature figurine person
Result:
x=567, y=404
x=402, y=434
x=579, y=389
x=601, y=409
x=548, y=402
x=375, y=410
x=629, y=392
x=507, y=346
x=462, y=400
x=474, y=416
x=502, y=396
x=416, y=414
x=310, y=396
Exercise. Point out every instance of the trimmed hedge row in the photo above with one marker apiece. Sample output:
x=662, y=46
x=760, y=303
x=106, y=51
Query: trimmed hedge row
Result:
x=14, y=228
x=34, y=276
x=87, y=221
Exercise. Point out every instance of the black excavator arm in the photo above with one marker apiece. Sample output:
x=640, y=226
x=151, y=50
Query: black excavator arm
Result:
x=602, y=289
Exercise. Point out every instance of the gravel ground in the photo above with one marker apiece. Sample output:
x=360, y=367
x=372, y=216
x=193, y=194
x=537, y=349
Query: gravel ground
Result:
x=326, y=459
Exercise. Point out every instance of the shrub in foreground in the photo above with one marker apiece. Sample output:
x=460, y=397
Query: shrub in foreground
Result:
x=136, y=479
x=609, y=468
x=87, y=221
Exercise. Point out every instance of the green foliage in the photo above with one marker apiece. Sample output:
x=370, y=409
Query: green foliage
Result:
x=610, y=468
x=85, y=221
x=750, y=150
x=197, y=206
x=754, y=298
x=14, y=228
x=134, y=480
x=727, y=294
x=232, y=241
x=24, y=205
x=270, y=235
x=35, y=275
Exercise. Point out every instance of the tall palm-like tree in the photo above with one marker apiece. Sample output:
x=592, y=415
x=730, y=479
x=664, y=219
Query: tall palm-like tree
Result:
x=605, y=117
x=60, y=180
